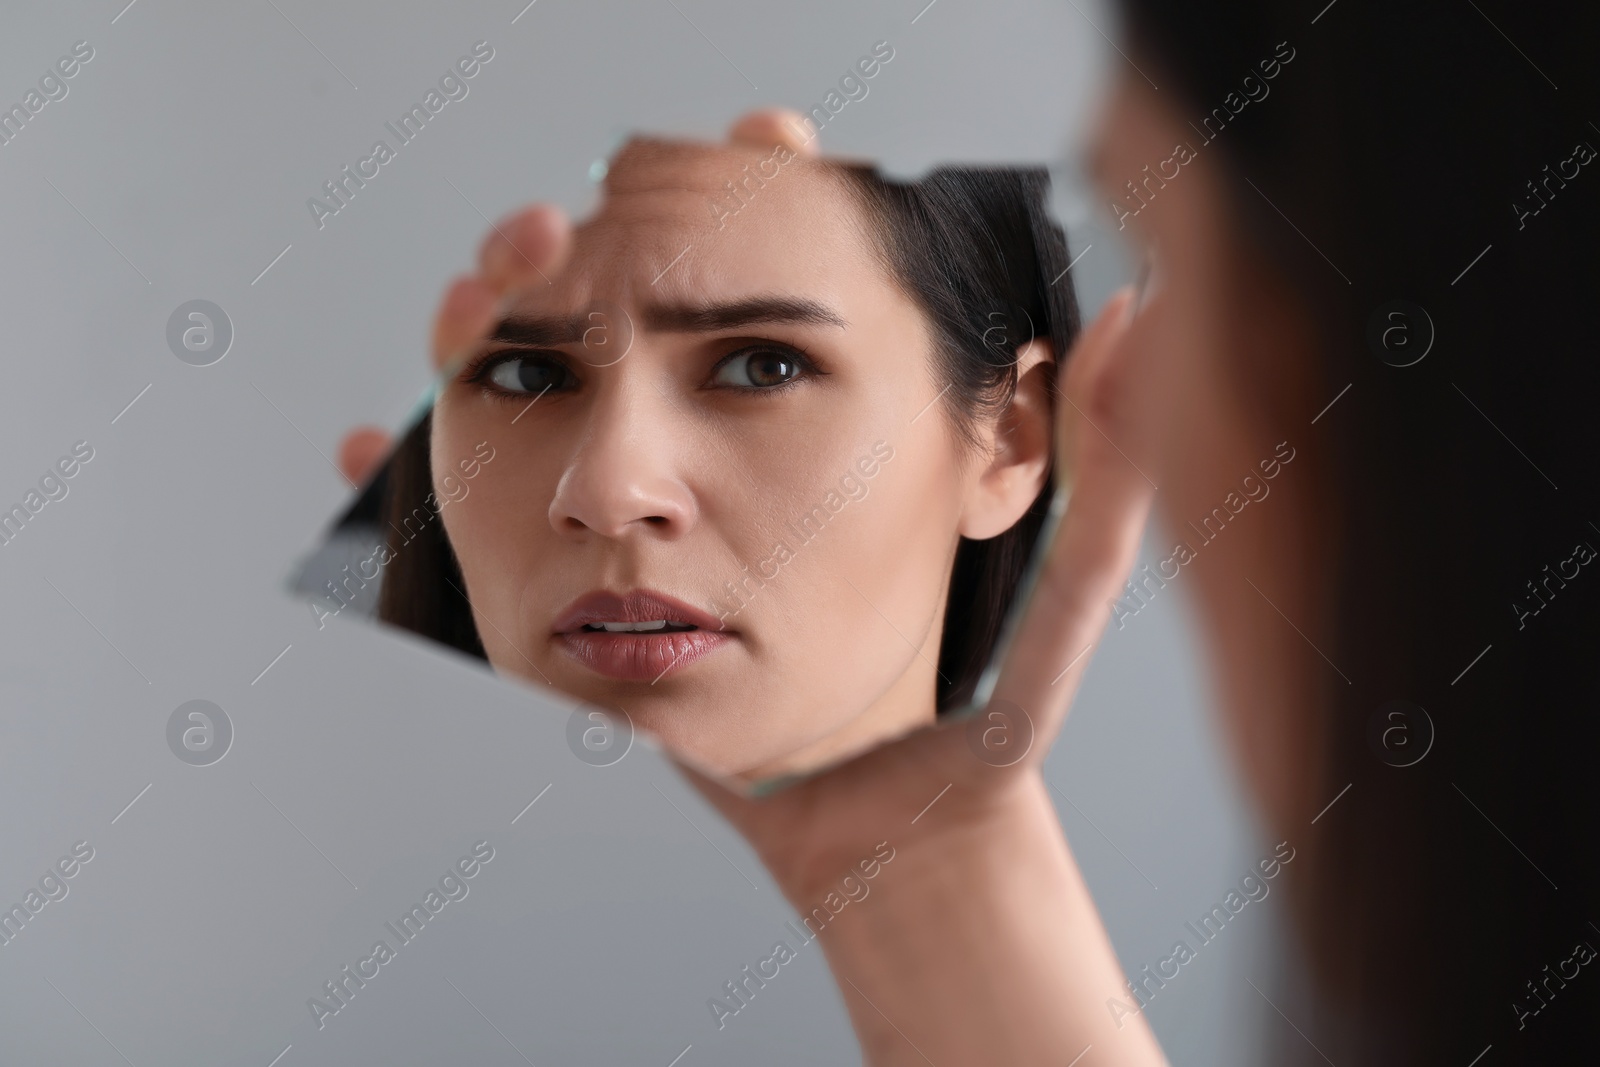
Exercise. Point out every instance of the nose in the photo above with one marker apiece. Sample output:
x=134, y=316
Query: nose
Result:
x=624, y=479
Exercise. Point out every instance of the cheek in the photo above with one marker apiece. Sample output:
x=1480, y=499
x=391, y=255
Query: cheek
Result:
x=901, y=542
x=501, y=528
x=867, y=571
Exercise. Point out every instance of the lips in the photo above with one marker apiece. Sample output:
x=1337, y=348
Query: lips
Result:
x=637, y=654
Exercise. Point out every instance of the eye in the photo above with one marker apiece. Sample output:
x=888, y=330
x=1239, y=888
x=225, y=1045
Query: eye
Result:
x=762, y=367
x=523, y=375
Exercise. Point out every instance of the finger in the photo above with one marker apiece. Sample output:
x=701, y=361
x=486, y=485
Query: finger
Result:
x=1086, y=407
x=525, y=248
x=1095, y=545
x=470, y=307
x=362, y=452
x=767, y=127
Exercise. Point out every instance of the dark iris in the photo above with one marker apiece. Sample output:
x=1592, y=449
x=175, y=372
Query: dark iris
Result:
x=760, y=368
x=770, y=368
x=523, y=374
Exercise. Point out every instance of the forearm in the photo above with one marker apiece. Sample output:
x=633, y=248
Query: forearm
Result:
x=981, y=945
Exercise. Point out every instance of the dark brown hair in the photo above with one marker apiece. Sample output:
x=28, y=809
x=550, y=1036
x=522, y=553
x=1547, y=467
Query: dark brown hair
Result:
x=1419, y=154
x=979, y=253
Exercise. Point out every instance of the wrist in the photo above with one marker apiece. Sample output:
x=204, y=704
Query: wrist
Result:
x=962, y=830
x=979, y=943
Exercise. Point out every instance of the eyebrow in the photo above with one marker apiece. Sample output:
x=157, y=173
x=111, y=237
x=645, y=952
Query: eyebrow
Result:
x=756, y=311
x=538, y=331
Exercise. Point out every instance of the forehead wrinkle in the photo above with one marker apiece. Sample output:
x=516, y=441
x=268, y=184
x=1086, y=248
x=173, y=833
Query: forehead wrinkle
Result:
x=655, y=226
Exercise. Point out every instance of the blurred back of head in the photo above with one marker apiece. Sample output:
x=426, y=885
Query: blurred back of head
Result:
x=1443, y=155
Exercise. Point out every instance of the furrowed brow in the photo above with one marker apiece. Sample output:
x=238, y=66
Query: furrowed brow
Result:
x=539, y=331
x=756, y=311
x=544, y=331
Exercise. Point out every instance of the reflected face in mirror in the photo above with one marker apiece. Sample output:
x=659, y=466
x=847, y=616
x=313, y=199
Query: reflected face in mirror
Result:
x=716, y=474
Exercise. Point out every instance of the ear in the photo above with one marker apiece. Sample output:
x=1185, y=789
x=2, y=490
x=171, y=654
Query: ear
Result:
x=1019, y=444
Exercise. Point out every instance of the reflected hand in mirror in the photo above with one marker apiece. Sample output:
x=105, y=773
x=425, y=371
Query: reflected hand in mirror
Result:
x=756, y=455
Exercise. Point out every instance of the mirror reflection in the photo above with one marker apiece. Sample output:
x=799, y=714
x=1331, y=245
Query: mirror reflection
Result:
x=761, y=467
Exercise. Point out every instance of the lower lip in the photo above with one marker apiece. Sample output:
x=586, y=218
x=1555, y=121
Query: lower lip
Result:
x=641, y=657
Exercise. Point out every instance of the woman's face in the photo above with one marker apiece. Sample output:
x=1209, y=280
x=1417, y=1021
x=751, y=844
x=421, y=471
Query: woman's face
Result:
x=722, y=413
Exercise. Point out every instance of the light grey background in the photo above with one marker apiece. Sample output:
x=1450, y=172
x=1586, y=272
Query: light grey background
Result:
x=364, y=762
